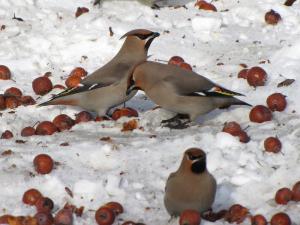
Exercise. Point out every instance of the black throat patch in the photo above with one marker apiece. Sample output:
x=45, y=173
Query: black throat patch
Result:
x=199, y=166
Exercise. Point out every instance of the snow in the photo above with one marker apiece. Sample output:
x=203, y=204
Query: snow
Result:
x=132, y=168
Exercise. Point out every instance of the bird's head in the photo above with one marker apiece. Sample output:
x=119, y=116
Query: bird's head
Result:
x=140, y=37
x=194, y=159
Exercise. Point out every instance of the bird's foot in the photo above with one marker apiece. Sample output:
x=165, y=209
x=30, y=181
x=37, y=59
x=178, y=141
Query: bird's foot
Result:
x=172, y=218
x=177, y=122
x=213, y=216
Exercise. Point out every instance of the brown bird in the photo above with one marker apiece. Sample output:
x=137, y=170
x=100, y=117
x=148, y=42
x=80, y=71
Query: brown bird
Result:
x=181, y=91
x=106, y=87
x=191, y=186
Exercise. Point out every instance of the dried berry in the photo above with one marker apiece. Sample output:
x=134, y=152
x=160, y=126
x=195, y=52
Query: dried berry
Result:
x=63, y=122
x=272, y=17
x=45, y=128
x=272, y=144
x=256, y=76
x=276, y=102
x=190, y=217
x=43, y=163
x=283, y=196
x=5, y=73
x=31, y=196
x=281, y=219
x=42, y=85
x=83, y=116
x=260, y=114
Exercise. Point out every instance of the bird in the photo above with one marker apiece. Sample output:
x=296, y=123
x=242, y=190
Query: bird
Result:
x=191, y=186
x=155, y=4
x=181, y=91
x=106, y=87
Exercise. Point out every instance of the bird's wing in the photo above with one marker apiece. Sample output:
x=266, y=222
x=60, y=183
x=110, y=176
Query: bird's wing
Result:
x=190, y=83
x=108, y=74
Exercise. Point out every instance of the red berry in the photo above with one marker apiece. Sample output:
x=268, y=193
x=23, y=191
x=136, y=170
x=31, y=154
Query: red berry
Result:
x=7, y=135
x=205, y=5
x=78, y=71
x=27, y=131
x=5, y=73
x=129, y=223
x=42, y=85
x=243, y=137
x=283, y=196
x=190, y=217
x=129, y=112
x=258, y=220
x=236, y=213
x=276, y=102
x=12, y=102
x=45, y=128
x=13, y=91
x=27, y=100
x=83, y=116
x=281, y=219
x=116, y=207
x=59, y=86
x=260, y=114
x=186, y=66
x=296, y=191
x=44, y=204
x=243, y=73
x=272, y=144
x=2, y=102
x=104, y=216
x=80, y=11
x=232, y=128
x=63, y=217
x=63, y=122
x=175, y=60
x=73, y=81
x=256, y=76
x=31, y=196
x=272, y=17
x=44, y=218
x=43, y=163
x=5, y=219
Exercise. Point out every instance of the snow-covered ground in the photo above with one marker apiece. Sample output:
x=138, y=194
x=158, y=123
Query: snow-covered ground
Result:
x=134, y=166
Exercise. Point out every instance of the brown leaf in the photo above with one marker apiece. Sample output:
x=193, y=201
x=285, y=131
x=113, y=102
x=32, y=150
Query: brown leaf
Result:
x=20, y=141
x=7, y=152
x=286, y=82
x=130, y=125
x=64, y=144
x=108, y=139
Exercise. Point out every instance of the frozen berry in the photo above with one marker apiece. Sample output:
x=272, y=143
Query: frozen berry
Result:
x=83, y=116
x=175, y=60
x=44, y=204
x=63, y=217
x=42, y=85
x=44, y=218
x=31, y=196
x=243, y=73
x=104, y=216
x=296, y=191
x=59, y=86
x=7, y=135
x=12, y=102
x=73, y=81
x=80, y=11
x=45, y=128
x=276, y=102
x=27, y=131
x=63, y=122
x=43, y=163
x=116, y=207
x=272, y=17
x=243, y=137
x=232, y=128
x=78, y=71
x=5, y=73
x=129, y=112
x=281, y=219
x=27, y=100
x=186, y=66
x=190, y=217
x=258, y=220
x=272, y=144
x=2, y=102
x=5, y=219
x=256, y=76
x=236, y=213
x=260, y=114
x=283, y=196
x=205, y=5
x=13, y=91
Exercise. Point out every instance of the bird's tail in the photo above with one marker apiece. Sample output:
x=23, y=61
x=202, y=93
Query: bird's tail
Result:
x=59, y=101
x=225, y=102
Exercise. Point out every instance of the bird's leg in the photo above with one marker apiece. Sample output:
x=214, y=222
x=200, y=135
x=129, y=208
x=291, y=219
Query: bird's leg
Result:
x=211, y=216
x=180, y=121
x=171, y=218
x=97, y=2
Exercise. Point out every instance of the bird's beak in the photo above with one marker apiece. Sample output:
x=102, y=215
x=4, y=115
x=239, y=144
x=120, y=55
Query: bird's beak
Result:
x=150, y=39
